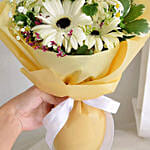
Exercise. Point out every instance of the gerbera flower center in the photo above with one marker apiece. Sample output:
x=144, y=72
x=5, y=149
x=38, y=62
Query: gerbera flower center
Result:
x=95, y=32
x=63, y=23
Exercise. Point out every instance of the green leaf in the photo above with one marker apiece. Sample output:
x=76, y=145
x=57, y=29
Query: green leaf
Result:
x=83, y=50
x=90, y=9
x=138, y=26
x=127, y=5
x=135, y=12
x=20, y=17
x=31, y=18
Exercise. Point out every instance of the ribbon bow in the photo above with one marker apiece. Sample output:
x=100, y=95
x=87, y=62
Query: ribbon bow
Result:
x=58, y=117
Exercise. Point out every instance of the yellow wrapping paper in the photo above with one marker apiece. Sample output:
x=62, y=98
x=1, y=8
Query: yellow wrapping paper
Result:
x=79, y=77
x=84, y=130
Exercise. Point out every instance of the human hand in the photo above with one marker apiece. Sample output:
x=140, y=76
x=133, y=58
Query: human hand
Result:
x=23, y=113
x=32, y=106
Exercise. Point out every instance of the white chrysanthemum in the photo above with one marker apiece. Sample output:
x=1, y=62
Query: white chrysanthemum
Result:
x=63, y=17
x=104, y=11
x=119, y=9
x=104, y=36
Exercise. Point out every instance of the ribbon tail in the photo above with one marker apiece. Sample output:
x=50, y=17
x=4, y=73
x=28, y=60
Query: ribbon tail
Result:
x=109, y=106
x=104, y=103
x=56, y=120
x=109, y=135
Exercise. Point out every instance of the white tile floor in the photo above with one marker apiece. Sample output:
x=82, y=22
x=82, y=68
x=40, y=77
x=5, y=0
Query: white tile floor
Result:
x=125, y=139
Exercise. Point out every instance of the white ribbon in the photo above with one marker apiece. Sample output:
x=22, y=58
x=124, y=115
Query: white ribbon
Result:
x=58, y=117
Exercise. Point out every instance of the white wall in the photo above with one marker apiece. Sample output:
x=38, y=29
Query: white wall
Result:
x=127, y=89
x=12, y=81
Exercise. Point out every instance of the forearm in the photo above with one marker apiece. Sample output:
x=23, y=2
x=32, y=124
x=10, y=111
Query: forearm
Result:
x=10, y=128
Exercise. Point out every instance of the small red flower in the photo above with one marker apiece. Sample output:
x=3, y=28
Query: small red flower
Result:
x=37, y=36
x=53, y=43
x=60, y=52
x=70, y=33
x=44, y=48
x=37, y=47
x=37, y=23
x=101, y=25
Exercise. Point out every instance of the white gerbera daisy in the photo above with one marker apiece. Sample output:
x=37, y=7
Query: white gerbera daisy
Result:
x=104, y=31
x=63, y=17
x=105, y=36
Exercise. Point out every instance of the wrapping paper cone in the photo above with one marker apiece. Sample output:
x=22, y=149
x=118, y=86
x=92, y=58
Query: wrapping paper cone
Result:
x=79, y=77
x=84, y=130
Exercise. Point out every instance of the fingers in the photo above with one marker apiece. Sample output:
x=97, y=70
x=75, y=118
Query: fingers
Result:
x=59, y=100
x=49, y=98
x=46, y=108
x=33, y=98
x=52, y=99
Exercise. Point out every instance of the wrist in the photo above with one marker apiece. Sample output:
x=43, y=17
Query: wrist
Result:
x=9, y=119
x=11, y=112
x=10, y=127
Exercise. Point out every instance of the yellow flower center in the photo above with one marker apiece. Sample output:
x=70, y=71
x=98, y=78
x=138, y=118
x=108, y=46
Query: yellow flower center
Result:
x=118, y=14
x=117, y=6
x=27, y=29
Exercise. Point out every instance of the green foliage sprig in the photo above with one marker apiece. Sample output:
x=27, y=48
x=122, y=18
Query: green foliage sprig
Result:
x=90, y=9
x=130, y=22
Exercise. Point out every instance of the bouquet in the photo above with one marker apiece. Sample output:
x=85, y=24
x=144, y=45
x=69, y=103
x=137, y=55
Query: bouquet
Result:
x=79, y=49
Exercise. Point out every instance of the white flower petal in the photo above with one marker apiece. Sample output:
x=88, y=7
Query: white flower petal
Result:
x=57, y=4
x=109, y=42
x=105, y=5
x=44, y=33
x=90, y=41
x=67, y=6
x=111, y=2
x=44, y=20
x=44, y=30
x=116, y=34
x=79, y=34
x=82, y=19
x=76, y=7
x=51, y=37
x=40, y=27
x=113, y=25
x=68, y=50
x=54, y=7
x=49, y=8
x=67, y=46
x=99, y=44
x=73, y=42
x=59, y=38
x=114, y=40
x=65, y=43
